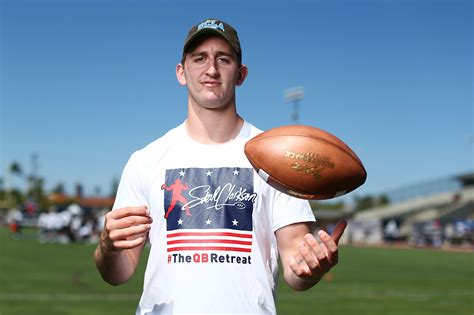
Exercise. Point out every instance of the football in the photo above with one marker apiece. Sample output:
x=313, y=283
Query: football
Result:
x=305, y=162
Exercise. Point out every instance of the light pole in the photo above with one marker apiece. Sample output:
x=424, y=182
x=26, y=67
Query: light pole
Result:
x=35, y=198
x=295, y=95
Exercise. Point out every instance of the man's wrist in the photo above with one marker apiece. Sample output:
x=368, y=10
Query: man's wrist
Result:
x=309, y=281
x=104, y=245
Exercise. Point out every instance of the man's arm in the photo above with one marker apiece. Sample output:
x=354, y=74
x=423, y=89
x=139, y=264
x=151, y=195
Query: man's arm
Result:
x=304, y=259
x=121, y=243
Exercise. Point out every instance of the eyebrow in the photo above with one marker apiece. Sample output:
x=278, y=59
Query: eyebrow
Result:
x=218, y=54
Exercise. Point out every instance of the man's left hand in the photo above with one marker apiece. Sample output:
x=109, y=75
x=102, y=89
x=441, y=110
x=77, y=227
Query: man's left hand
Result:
x=314, y=259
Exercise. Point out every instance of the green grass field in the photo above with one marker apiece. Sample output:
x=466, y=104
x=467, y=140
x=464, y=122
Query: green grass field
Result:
x=58, y=279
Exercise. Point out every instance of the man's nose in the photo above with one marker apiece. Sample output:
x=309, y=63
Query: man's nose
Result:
x=212, y=69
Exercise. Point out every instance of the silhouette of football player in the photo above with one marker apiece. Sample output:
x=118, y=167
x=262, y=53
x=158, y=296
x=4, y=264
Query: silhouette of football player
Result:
x=177, y=195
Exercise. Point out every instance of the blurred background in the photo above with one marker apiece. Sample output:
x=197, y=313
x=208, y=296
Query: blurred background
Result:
x=86, y=83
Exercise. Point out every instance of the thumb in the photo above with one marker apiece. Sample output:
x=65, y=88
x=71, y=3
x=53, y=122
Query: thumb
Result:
x=339, y=230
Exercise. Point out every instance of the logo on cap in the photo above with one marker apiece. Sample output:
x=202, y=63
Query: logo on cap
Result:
x=211, y=24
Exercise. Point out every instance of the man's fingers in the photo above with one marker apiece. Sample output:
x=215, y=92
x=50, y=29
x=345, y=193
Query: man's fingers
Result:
x=300, y=268
x=318, y=252
x=128, y=244
x=308, y=255
x=127, y=222
x=330, y=242
x=339, y=230
x=129, y=232
x=316, y=258
x=129, y=211
x=125, y=228
x=127, y=217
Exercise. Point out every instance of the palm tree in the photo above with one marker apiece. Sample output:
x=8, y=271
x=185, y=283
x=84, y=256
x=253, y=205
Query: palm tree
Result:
x=79, y=190
x=115, y=184
x=97, y=191
x=15, y=169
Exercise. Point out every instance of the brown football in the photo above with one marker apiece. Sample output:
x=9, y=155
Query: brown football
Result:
x=305, y=162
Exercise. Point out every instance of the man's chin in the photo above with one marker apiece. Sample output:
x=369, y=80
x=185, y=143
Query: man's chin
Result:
x=215, y=104
x=217, y=107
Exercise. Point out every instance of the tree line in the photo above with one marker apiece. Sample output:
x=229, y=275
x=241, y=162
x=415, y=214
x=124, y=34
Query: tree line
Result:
x=35, y=192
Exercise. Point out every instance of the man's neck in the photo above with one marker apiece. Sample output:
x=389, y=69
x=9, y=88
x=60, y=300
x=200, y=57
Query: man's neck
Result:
x=213, y=126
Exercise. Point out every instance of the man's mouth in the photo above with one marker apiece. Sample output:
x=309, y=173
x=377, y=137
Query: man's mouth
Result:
x=211, y=83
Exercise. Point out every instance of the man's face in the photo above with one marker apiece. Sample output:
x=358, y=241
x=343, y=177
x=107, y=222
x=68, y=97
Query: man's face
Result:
x=211, y=73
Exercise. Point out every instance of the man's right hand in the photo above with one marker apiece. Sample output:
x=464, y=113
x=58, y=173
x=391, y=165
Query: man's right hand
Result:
x=125, y=228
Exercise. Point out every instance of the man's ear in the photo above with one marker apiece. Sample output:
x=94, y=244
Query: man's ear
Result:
x=243, y=71
x=180, y=74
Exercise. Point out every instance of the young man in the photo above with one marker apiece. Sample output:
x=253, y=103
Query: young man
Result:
x=215, y=227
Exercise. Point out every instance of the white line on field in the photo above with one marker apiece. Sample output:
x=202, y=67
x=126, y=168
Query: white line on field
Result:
x=66, y=297
x=408, y=295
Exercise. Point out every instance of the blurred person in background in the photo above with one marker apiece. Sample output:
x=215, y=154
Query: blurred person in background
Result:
x=14, y=219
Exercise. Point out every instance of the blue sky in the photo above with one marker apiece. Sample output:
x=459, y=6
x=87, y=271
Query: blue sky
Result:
x=85, y=83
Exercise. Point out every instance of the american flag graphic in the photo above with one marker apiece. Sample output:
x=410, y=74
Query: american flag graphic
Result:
x=209, y=209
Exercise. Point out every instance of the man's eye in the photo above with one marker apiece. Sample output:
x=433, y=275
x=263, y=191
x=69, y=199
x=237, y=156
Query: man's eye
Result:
x=224, y=60
x=199, y=59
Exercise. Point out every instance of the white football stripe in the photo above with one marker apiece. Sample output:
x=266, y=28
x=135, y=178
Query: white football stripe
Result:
x=263, y=175
x=339, y=193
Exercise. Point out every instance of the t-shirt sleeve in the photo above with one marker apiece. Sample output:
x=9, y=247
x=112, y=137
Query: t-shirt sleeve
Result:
x=130, y=191
x=288, y=210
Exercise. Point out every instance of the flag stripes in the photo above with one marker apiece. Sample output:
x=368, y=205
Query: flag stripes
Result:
x=203, y=241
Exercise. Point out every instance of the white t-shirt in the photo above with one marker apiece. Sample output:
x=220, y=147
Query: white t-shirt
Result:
x=213, y=246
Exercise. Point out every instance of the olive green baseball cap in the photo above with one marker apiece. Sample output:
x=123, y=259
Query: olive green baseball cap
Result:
x=214, y=27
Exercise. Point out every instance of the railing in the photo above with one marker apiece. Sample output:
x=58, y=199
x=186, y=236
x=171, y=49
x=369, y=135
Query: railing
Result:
x=422, y=189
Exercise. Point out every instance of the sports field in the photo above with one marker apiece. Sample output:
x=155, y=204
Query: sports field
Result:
x=60, y=279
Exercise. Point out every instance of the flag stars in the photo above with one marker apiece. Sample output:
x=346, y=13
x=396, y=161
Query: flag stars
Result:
x=208, y=222
x=208, y=173
x=180, y=221
x=181, y=173
x=235, y=172
x=235, y=222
